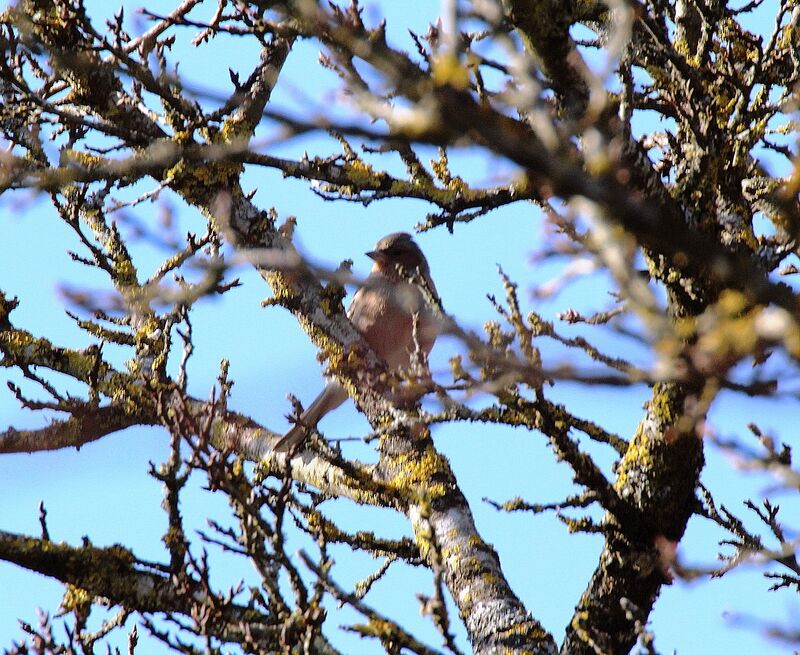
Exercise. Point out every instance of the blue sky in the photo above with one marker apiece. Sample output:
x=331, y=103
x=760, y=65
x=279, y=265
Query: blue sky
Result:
x=103, y=490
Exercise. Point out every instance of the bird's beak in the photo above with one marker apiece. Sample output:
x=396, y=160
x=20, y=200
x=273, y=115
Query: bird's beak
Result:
x=375, y=255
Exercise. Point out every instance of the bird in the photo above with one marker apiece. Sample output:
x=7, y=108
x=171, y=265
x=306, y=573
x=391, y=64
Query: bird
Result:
x=383, y=311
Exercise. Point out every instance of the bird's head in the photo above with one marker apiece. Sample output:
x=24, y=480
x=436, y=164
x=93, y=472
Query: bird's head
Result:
x=398, y=249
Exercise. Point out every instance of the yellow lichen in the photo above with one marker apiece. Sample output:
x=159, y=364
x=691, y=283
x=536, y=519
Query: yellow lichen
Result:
x=75, y=598
x=447, y=70
x=638, y=456
x=415, y=473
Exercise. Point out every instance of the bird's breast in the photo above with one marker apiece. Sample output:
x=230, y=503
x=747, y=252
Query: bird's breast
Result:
x=384, y=314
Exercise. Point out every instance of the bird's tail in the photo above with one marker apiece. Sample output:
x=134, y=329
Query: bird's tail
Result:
x=331, y=397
